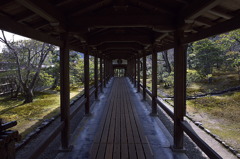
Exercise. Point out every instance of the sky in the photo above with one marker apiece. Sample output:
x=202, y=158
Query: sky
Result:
x=11, y=37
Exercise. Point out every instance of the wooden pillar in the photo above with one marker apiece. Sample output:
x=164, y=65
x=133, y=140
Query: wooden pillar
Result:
x=135, y=71
x=86, y=81
x=107, y=71
x=65, y=93
x=104, y=72
x=96, y=75
x=132, y=71
x=154, y=82
x=138, y=73
x=144, y=75
x=101, y=73
x=179, y=88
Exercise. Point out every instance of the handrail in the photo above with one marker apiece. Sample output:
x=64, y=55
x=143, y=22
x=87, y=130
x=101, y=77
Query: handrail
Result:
x=93, y=91
x=74, y=112
x=42, y=146
x=186, y=128
x=201, y=144
x=46, y=142
x=165, y=108
x=149, y=92
x=7, y=125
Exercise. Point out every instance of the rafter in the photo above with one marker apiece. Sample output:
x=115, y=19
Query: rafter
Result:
x=106, y=46
x=9, y=25
x=142, y=39
x=151, y=7
x=45, y=10
x=91, y=7
x=197, y=8
x=220, y=28
x=218, y=13
x=159, y=22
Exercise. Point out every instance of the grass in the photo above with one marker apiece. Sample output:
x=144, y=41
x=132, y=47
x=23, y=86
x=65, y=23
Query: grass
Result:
x=29, y=116
x=220, y=114
x=221, y=82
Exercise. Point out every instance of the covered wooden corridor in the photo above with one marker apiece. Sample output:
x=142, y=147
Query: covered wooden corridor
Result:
x=120, y=127
x=120, y=133
x=120, y=30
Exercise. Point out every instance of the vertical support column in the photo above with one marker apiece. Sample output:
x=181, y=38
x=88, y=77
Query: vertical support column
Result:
x=101, y=73
x=96, y=75
x=135, y=72
x=179, y=88
x=154, y=82
x=86, y=81
x=107, y=70
x=65, y=92
x=144, y=75
x=132, y=71
x=138, y=73
x=104, y=72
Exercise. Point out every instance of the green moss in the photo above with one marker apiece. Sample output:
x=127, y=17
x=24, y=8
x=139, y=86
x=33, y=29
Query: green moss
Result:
x=223, y=115
x=29, y=116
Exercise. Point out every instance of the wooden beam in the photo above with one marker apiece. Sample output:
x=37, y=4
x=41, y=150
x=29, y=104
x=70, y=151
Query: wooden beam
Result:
x=96, y=75
x=106, y=46
x=104, y=71
x=220, y=28
x=86, y=81
x=118, y=50
x=154, y=82
x=218, y=13
x=144, y=75
x=45, y=10
x=161, y=37
x=101, y=73
x=65, y=93
x=135, y=71
x=162, y=22
x=151, y=7
x=197, y=8
x=120, y=38
x=91, y=7
x=138, y=72
x=179, y=89
x=10, y=25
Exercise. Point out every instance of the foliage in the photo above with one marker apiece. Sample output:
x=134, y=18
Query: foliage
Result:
x=45, y=79
x=207, y=54
x=193, y=76
x=168, y=79
x=28, y=56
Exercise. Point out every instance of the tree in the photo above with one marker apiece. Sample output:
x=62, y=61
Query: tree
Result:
x=206, y=55
x=29, y=56
x=231, y=43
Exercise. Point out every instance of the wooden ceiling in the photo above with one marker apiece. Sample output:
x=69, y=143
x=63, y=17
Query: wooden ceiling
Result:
x=118, y=28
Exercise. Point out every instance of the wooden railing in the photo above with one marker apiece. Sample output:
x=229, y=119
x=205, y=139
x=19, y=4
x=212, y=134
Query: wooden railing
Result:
x=53, y=134
x=187, y=129
x=8, y=139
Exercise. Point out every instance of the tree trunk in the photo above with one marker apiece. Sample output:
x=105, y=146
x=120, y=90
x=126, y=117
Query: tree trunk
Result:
x=15, y=94
x=165, y=57
x=55, y=83
x=28, y=95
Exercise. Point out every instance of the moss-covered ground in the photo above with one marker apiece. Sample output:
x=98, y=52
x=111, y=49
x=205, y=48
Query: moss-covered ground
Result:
x=29, y=116
x=220, y=114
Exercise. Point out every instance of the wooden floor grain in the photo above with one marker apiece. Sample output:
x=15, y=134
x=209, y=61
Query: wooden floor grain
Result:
x=120, y=134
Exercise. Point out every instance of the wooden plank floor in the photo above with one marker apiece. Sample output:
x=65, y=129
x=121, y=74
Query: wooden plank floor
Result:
x=120, y=134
